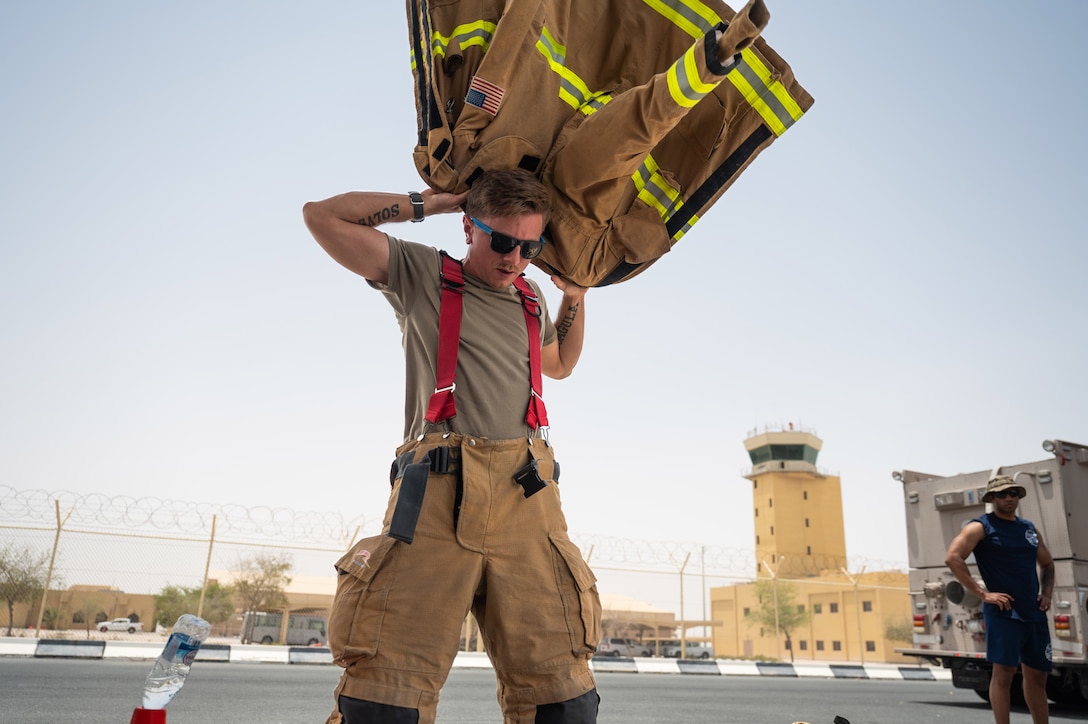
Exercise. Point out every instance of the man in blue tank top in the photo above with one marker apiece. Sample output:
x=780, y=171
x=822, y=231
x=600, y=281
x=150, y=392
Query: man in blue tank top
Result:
x=1007, y=550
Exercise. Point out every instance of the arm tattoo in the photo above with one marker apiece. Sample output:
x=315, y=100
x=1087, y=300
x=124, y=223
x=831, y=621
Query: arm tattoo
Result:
x=389, y=212
x=565, y=323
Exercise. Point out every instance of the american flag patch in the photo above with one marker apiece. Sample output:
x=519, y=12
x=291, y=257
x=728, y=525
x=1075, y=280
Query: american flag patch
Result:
x=484, y=95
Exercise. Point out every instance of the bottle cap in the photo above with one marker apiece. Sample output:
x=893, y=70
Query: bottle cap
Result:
x=148, y=716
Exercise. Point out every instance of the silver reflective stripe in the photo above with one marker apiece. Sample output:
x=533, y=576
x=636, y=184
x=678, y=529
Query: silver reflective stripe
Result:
x=773, y=105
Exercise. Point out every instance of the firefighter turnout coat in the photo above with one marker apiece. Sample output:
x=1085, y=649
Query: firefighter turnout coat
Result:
x=637, y=114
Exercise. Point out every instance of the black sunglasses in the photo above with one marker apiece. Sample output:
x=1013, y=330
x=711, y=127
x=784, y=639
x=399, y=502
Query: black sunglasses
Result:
x=1006, y=494
x=504, y=243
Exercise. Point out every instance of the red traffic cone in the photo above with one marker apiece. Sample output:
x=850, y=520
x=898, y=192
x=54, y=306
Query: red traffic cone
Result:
x=148, y=716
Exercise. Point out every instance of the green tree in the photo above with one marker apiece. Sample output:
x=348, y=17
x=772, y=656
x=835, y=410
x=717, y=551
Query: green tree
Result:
x=90, y=611
x=22, y=577
x=51, y=618
x=218, y=603
x=259, y=582
x=787, y=616
x=171, y=603
x=175, y=600
x=896, y=630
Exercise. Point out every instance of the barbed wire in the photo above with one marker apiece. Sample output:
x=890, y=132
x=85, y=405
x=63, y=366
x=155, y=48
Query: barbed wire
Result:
x=94, y=511
x=697, y=558
x=97, y=512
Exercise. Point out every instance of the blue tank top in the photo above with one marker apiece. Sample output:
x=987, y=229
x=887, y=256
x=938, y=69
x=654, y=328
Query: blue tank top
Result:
x=1006, y=559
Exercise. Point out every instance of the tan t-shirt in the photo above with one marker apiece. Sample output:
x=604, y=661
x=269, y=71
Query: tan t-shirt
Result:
x=493, y=360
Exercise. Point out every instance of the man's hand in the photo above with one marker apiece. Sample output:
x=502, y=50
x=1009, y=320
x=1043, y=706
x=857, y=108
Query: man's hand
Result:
x=1001, y=600
x=436, y=202
x=1044, y=602
x=569, y=288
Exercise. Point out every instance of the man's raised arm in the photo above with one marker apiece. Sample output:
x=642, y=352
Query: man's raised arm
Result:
x=345, y=225
x=557, y=360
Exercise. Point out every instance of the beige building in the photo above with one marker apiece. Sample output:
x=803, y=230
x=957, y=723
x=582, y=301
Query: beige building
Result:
x=853, y=616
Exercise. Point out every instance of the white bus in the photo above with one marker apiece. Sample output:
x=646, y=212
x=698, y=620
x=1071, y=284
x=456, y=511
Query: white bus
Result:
x=266, y=628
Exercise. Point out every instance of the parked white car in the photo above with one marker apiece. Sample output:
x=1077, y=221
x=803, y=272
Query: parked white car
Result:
x=694, y=650
x=621, y=647
x=120, y=624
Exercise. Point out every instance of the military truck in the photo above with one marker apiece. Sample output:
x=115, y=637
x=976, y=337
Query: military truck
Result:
x=947, y=620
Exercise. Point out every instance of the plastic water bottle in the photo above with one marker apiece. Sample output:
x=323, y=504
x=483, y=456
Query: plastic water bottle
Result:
x=173, y=664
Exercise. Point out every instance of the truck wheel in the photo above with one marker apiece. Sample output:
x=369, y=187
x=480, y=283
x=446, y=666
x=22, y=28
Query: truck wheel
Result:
x=1060, y=692
x=103, y=629
x=132, y=629
x=266, y=640
x=706, y=655
x=312, y=642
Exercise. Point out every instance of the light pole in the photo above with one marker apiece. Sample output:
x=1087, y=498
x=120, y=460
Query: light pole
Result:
x=857, y=609
x=702, y=566
x=683, y=628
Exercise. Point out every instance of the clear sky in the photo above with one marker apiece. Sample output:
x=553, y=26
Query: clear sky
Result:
x=903, y=271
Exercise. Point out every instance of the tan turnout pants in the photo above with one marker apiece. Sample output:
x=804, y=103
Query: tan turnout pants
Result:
x=398, y=611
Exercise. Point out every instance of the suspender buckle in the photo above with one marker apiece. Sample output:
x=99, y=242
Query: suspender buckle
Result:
x=543, y=430
x=452, y=285
x=531, y=304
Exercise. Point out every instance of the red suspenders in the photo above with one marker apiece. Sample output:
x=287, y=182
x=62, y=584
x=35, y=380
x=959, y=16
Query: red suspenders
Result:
x=535, y=416
x=442, y=406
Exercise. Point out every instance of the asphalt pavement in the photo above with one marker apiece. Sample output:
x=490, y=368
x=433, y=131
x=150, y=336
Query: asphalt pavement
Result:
x=57, y=691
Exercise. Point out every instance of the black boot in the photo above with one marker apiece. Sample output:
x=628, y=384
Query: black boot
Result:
x=582, y=710
x=358, y=711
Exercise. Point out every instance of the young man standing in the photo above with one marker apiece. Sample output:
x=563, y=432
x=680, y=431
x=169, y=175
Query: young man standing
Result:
x=474, y=521
x=1007, y=550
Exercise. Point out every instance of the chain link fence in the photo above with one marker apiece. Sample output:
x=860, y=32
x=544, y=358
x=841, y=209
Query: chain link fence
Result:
x=123, y=545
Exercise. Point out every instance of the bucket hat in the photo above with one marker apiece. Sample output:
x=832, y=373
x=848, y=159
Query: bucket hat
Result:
x=1002, y=482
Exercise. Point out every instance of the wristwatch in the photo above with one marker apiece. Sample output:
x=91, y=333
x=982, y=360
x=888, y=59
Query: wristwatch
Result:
x=417, y=205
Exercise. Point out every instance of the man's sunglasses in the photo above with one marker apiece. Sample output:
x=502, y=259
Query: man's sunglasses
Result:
x=504, y=243
x=1006, y=494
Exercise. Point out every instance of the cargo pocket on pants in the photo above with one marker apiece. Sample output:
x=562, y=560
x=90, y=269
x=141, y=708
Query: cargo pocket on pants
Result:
x=578, y=588
x=362, y=589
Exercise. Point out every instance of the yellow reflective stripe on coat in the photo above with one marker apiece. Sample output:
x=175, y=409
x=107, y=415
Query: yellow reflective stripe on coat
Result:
x=691, y=16
x=476, y=33
x=655, y=191
x=595, y=103
x=685, y=85
x=572, y=90
x=768, y=97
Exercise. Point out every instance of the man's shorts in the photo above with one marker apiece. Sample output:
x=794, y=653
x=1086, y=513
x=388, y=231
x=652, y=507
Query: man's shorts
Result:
x=1010, y=642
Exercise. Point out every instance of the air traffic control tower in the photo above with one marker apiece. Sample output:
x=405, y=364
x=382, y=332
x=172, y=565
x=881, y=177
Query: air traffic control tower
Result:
x=798, y=510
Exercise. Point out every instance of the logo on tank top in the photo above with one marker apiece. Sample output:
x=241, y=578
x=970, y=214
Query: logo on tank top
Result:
x=1049, y=653
x=1032, y=537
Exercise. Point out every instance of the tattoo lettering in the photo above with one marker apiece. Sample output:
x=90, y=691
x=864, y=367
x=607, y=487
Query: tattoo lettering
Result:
x=389, y=212
x=567, y=321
